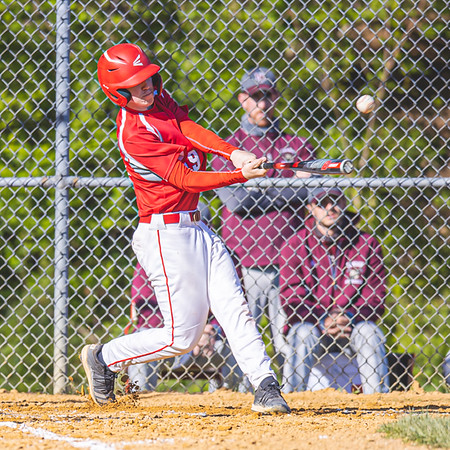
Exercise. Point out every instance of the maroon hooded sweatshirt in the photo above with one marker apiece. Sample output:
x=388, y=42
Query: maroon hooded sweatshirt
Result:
x=317, y=276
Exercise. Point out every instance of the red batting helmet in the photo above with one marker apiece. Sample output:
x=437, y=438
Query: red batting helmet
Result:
x=124, y=66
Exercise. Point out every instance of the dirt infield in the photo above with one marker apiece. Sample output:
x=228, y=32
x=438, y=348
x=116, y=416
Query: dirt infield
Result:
x=222, y=420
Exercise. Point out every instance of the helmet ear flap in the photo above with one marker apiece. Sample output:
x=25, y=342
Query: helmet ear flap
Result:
x=126, y=93
x=157, y=83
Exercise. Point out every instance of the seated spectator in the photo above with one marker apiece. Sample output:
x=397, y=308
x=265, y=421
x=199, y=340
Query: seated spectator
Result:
x=332, y=288
x=211, y=352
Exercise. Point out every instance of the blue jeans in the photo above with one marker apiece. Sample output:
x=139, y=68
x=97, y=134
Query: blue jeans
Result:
x=367, y=342
x=446, y=369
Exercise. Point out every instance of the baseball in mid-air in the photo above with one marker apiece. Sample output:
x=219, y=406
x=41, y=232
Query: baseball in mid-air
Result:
x=365, y=104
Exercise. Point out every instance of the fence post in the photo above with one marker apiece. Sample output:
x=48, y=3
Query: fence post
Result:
x=62, y=105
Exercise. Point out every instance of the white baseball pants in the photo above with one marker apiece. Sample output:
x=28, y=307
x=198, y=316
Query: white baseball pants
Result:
x=191, y=272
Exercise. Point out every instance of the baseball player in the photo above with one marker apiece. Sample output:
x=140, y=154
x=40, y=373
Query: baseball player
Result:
x=187, y=264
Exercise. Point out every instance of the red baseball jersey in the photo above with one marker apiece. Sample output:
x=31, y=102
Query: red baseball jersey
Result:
x=164, y=154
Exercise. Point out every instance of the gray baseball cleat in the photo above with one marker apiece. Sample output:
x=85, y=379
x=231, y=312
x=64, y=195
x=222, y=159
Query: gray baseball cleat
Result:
x=268, y=398
x=100, y=377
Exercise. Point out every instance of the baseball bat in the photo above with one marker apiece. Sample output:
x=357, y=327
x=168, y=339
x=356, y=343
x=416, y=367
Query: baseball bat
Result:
x=321, y=166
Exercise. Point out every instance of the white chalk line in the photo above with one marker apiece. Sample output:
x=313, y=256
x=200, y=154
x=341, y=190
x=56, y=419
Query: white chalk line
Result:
x=45, y=434
x=78, y=442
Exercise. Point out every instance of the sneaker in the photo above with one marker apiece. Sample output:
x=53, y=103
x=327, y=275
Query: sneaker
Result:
x=268, y=398
x=100, y=377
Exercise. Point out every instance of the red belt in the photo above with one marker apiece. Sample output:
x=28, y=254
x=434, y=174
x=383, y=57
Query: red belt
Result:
x=172, y=217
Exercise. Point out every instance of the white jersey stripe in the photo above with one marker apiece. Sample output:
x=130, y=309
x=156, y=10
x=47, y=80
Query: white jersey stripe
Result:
x=213, y=150
x=150, y=128
x=122, y=126
x=135, y=165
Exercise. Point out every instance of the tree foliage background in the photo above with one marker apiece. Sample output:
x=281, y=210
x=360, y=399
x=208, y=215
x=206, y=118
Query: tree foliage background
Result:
x=325, y=55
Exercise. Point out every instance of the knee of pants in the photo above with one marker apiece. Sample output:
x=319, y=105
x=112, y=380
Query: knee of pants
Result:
x=367, y=333
x=184, y=341
x=303, y=333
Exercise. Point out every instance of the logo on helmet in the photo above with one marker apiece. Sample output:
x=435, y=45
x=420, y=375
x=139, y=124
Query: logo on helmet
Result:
x=117, y=61
x=259, y=77
x=137, y=61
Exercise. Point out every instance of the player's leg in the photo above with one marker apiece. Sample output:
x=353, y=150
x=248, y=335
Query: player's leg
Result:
x=231, y=310
x=175, y=260
x=143, y=377
x=257, y=283
x=368, y=342
x=303, y=346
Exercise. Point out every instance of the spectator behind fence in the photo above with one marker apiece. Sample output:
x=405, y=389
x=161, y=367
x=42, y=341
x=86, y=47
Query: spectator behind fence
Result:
x=256, y=221
x=332, y=288
x=212, y=352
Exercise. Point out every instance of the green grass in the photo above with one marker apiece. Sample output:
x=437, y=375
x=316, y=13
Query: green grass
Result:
x=422, y=428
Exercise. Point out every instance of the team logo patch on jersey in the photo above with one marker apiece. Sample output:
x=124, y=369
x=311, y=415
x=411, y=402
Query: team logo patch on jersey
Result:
x=353, y=273
x=192, y=161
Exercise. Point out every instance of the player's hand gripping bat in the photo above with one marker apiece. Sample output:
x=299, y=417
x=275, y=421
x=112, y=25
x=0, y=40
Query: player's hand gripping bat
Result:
x=319, y=166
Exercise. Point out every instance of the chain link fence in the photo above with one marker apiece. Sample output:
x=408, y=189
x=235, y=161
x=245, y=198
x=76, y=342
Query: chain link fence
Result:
x=68, y=211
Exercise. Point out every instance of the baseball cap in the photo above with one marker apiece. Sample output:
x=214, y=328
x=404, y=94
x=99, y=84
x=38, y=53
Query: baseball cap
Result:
x=258, y=79
x=316, y=194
